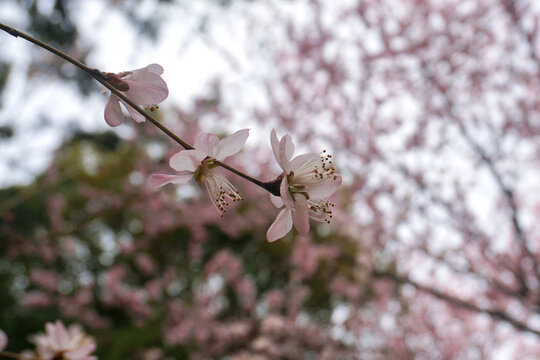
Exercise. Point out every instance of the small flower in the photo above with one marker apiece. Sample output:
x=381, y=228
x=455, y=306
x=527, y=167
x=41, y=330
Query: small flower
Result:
x=307, y=180
x=142, y=86
x=3, y=340
x=61, y=343
x=201, y=161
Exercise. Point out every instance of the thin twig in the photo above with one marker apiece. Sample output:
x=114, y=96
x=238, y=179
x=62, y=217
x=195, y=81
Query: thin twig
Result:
x=97, y=75
x=498, y=314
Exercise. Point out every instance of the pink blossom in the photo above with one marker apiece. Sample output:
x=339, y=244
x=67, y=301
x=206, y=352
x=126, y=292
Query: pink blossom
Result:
x=69, y=344
x=201, y=161
x=47, y=279
x=307, y=180
x=273, y=324
x=3, y=340
x=142, y=86
x=37, y=299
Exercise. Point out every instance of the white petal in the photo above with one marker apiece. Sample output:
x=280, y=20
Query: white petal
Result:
x=135, y=115
x=146, y=87
x=300, y=214
x=324, y=188
x=284, y=160
x=300, y=160
x=284, y=192
x=289, y=146
x=153, y=91
x=276, y=201
x=275, y=144
x=187, y=160
x=207, y=143
x=231, y=144
x=113, y=112
x=281, y=226
x=155, y=68
x=158, y=180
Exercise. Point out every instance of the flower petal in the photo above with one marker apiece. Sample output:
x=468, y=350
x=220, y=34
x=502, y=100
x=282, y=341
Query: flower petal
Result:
x=135, y=115
x=187, y=160
x=81, y=352
x=276, y=201
x=148, y=93
x=155, y=68
x=158, y=180
x=146, y=87
x=284, y=192
x=286, y=148
x=300, y=214
x=300, y=160
x=207, y=143
x=289, y=146
x=281, y=226
x=231, y=144
x=323, y=188
x=113, y=112
x=283, y=150
x=275, y=144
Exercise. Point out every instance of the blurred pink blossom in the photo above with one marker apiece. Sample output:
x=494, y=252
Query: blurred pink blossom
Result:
x=37, y=299
x=47, y=279
x=199, y=163
x=61, y=343
x=273, y=324
x=3, y=340
x=142, y=86
x=274, y=299
x=307, y=180
x=265, y=345
x=146, y=264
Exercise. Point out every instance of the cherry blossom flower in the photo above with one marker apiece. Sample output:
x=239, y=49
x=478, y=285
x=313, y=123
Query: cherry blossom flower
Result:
x=143, y=86
x=3, y=340
x=61, y=343
x=307, y=180
x=201, y=161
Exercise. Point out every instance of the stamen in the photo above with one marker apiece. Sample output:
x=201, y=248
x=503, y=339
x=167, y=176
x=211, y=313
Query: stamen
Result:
x=221, y=191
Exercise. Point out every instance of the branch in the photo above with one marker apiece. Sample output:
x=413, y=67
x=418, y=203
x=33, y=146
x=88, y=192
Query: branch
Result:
x=497, y=314
x=98, y=75
x=506, y=190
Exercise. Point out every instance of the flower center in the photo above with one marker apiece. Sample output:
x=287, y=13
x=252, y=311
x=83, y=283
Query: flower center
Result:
x=296, y=188
x=206, y=165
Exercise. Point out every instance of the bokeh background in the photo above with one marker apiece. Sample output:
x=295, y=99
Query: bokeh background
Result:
x=431, y=109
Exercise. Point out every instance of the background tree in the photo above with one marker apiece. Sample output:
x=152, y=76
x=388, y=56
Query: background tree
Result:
x=431, y=110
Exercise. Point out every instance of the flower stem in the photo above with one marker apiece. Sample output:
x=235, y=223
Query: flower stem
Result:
x=98, y=75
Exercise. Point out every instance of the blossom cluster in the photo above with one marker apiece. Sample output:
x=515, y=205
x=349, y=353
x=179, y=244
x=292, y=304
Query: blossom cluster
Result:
x=305, y=184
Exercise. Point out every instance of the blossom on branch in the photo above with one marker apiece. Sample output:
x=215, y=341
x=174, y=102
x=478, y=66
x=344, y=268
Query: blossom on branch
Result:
x=61, y=343
x=307, y=181
x=201, y=161
x=142, y=86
